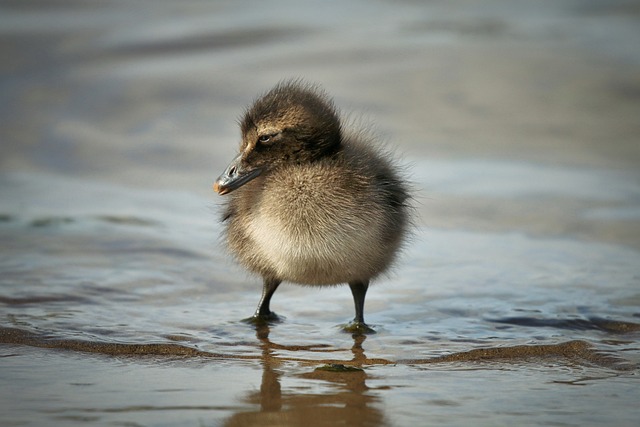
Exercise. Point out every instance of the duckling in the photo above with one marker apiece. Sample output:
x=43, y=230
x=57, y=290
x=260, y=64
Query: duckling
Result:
x=311, y=202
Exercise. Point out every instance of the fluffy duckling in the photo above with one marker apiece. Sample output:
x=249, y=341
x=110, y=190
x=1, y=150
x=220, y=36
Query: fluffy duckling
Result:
x=311, y=203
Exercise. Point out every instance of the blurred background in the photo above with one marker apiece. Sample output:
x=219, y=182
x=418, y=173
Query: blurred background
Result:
x=147, y=93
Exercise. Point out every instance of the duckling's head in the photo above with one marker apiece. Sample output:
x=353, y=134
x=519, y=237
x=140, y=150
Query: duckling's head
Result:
x=293, y=123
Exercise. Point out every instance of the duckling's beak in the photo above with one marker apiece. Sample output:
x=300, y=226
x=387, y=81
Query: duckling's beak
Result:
x=235, y=176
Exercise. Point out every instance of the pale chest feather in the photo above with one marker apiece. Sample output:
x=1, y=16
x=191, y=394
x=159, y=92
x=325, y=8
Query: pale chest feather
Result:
x=312, y=235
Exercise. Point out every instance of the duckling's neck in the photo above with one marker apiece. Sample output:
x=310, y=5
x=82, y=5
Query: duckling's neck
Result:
x=334, y=148
x=324, y=151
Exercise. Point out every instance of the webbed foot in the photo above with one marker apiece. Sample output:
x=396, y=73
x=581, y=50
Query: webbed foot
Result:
x=263, y=319
x=358, y=328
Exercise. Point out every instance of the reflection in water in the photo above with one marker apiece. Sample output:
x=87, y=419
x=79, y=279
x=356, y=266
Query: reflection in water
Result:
x=270, y=396
x=292, y=392
x=348, y=403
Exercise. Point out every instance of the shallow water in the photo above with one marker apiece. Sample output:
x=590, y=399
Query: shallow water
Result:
x=515, y=303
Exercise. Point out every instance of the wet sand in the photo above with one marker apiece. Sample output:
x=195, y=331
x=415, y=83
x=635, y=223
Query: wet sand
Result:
x=576, y=351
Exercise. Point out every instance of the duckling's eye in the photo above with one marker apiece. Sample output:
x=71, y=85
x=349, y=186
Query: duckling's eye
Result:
x=265, y=139
x=268, y=138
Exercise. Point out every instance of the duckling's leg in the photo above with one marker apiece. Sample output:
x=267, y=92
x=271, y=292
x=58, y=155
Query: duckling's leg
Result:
x=268, y=289
x=358, y=327
x=359, y=291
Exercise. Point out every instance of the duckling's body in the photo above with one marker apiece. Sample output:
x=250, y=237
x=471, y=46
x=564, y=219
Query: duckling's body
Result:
x=315, y=205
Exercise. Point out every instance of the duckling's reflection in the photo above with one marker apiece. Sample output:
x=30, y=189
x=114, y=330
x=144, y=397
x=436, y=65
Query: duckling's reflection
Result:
x=349, y=401
x=270, y=392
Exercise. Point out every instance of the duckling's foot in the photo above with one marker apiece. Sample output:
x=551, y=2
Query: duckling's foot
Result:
x=358, y=328
x=263, y=319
